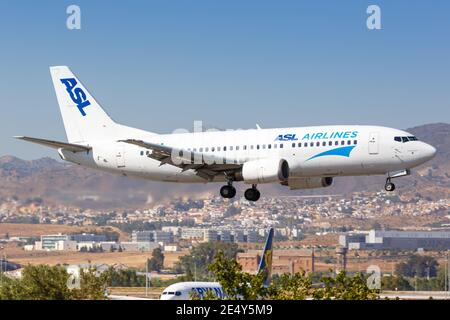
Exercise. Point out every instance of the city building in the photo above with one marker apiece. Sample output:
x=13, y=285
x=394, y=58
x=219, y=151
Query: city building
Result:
x=401, y=240
x=283, y=261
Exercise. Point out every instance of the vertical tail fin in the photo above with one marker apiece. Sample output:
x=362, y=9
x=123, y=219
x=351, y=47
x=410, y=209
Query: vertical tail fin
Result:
x=265, y=264
x=84, y=119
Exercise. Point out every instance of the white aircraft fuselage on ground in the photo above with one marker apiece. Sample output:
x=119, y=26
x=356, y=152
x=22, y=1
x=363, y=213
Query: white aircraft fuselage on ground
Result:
x=297, y=157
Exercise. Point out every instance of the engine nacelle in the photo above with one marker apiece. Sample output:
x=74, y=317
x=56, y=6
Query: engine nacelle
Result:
x=265, y=171
x=309, y=183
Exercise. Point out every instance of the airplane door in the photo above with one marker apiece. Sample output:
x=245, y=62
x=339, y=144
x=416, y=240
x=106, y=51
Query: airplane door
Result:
x=120, y=157
x=373, y=143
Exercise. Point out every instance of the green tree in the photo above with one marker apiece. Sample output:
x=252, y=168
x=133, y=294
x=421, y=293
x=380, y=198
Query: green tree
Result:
x=156, y=263
x=417, y=266
x=396, y=283
x=343, y=287
x=291, y=287
x=235, y=283
x=43, y=282
x=195, y=264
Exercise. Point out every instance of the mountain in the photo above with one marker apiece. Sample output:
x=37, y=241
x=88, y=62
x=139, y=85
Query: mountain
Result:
x=56, y=182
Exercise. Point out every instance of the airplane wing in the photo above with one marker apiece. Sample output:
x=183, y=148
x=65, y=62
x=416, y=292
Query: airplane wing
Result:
x=206, y=166
x=56, y=144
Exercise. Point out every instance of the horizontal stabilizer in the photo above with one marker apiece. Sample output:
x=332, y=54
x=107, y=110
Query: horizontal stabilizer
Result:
x=56, y=144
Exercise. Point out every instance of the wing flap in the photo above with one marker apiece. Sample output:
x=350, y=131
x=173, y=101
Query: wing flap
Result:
x=206, y=169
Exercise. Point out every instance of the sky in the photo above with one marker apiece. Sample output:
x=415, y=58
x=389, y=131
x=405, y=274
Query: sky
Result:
x=161, y=65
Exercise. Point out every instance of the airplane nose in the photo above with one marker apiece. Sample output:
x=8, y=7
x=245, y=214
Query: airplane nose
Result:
x=429, y=151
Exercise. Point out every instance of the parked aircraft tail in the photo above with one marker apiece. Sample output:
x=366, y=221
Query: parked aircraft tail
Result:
x=265, y=264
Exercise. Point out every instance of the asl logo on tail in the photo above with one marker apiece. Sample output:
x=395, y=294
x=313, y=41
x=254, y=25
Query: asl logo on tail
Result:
x=76, y=94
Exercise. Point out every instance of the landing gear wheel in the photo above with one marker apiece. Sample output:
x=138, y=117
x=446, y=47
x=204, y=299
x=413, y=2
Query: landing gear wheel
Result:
x=389, y=186
x=252, y=194
x=228, y=191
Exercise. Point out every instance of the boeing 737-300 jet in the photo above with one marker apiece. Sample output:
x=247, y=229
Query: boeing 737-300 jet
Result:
x=298, y=157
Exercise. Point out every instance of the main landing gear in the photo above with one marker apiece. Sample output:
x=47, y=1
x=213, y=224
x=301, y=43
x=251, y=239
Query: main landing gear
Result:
x=252, y=194
x=228, y=192
x=389, y=186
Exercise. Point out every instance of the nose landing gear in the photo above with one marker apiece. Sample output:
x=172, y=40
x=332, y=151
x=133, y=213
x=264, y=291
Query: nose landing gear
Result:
x=252, y=194
x=389, y=186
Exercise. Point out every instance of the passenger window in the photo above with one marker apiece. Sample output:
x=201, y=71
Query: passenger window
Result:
x=212, y=149
x=245, y=147
x=251, y=147
x=299, y=144
x=324, y=144
x=218, y=148
x=237, y=148
x=201, y=149
x=330, y=143
x=142, y=153
x=257, y=146
x=336, y=143
x=293, y=145
x=231, y=148
x=195, y=149
x=305, y=145
x=206, y=149
x=274, y=145
x=355, y=141
x=349, y=142
x=224, y=148
x=317, y=143
x=342, y=142
x=264, y=146
x=269, y=146
x=311, y=144
x=281, y=146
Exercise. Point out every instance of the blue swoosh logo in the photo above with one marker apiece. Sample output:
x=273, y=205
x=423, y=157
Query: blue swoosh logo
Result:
x=342, y=151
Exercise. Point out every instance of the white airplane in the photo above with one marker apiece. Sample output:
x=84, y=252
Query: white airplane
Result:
x=299, y=157
x=183, y=290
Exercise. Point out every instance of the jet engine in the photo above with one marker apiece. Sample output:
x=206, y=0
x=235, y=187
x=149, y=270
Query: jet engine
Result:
x=265, y=171
x=309, y=183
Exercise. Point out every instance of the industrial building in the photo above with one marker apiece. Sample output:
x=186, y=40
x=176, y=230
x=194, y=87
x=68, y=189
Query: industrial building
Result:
x=284, y=261
x=396, y=240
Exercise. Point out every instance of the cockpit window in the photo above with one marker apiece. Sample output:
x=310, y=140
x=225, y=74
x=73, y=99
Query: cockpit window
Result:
x=405, y=139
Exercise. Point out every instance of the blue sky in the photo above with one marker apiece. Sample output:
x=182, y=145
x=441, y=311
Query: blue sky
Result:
x=160, y=65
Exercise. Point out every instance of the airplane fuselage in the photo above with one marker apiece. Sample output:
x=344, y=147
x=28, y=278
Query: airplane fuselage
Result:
x=319, y=151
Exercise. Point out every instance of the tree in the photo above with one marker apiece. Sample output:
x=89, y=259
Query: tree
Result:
x=417, y=266
x=343, y=287
x=156, y=263
x=237, y=284
x=195, y=264
x=397, y=283
x=241, y=285
x=43, y=282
